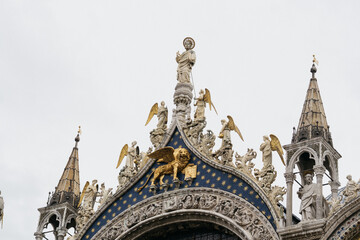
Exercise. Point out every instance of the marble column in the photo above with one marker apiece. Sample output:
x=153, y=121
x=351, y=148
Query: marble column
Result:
x=334, y=189
x=61, y=233
x=319, y=172
x=289, y=177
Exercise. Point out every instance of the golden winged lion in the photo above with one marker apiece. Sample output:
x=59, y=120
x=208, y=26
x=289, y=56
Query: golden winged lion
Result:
x=176, y=159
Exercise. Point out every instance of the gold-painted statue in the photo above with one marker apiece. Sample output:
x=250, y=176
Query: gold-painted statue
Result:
x=176, y=159
x=201, y=104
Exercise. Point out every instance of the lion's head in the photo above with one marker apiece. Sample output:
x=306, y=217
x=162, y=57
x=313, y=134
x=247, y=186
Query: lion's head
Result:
x=182, y=154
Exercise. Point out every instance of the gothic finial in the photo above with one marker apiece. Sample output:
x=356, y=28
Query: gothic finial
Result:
x=313, y=68
x=77, y=138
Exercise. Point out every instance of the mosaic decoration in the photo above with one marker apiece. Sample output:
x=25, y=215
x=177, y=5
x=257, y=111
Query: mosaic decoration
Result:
x=207, y=176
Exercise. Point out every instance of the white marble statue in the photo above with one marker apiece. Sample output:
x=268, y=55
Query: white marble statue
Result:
x=125, y=175
x=90, y=195
x=105, y=194
x=186, y=61
x=1, y=209
x=265, y=148
x=351, y=189
x=200, y=105
x=244, y=164
x=131, y=155
x=162, y=116
x=308, y=194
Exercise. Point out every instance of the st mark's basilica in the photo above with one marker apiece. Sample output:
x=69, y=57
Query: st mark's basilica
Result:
x=186, y=188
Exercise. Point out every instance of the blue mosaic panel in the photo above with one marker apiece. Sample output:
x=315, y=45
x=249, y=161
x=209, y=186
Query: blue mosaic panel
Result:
x=207, y=176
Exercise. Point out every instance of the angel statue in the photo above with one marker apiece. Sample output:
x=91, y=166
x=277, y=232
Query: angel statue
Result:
x=227, y=127
x=186, y=61
x=89, y=195
x=201, y=105
x=105, y=194
x=225, y=151
x=1, y=210
x=177, y=160
x=86, y=203
x=131, y=153
x=267, y=175
x=162, y=114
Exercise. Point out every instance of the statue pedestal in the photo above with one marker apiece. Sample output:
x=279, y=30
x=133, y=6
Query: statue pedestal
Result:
x=312, y=229
x=182, y=99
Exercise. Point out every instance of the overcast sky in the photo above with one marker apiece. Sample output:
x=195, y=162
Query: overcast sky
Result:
x=103, y=64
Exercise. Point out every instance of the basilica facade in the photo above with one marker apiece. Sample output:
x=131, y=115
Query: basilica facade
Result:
x=183, y=188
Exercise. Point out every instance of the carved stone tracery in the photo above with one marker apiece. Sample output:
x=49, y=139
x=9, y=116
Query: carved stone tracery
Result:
x=244, y=215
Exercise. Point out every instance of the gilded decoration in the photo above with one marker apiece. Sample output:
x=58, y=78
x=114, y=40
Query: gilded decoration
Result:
x=209, y=176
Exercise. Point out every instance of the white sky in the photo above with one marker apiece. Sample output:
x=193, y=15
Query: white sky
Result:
x=103, y=64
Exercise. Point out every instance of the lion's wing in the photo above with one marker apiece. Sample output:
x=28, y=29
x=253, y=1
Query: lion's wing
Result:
x=165, y=154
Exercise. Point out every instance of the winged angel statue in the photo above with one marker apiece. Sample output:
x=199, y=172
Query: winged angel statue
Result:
x=226, y=152
x=161, y=112
x=228, y=126
x=201, y=104
x=157, y=135
x=177, y=160
x=267, y=175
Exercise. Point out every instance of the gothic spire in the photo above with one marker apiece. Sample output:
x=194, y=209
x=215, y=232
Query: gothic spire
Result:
x=312, y=121
x=68, y=188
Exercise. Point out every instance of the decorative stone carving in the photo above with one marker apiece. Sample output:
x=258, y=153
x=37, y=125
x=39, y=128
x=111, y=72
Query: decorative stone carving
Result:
x=244, y=164
x=150, y=211
x=170, y=205
x=193, y=129
x=244, y=214
x=351, y=190
x=335, y=204
x=207, y=201
x=225, y=207
x=225, y=155
x=113, y=232
x=207, y=142
x=182, y=99
x=276, y=195
x=132, y=219
x=125, y=175
x=105, y=194
x=157, y=136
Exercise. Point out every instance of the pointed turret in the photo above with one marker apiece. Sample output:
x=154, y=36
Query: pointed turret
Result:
x=312, y=152
x=61, y=209
x=68, y=189
x=312, y=121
